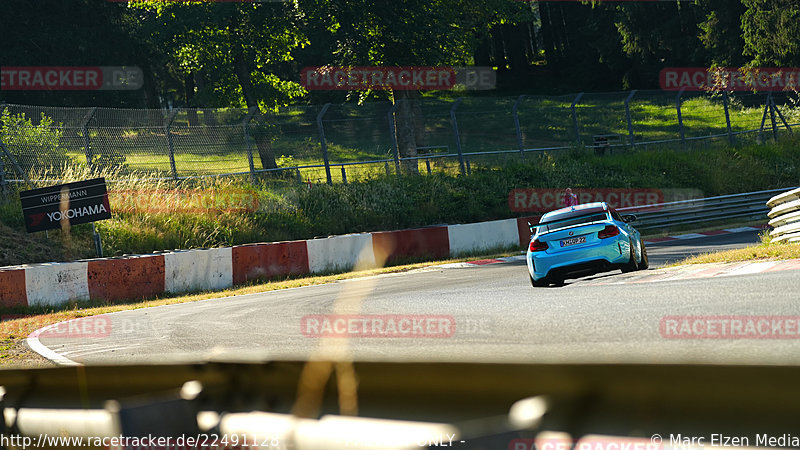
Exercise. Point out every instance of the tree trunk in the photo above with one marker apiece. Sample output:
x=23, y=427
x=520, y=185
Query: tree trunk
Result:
x=188, y=85
x=405, y=129
x=263, y=142
x=209, y=119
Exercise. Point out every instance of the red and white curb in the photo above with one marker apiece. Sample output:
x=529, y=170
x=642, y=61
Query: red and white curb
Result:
x=36, y=345
x=702, y=234
x=479, y=262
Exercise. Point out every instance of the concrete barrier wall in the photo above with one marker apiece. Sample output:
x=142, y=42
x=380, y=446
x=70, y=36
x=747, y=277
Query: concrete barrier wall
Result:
x=262, y=261
x=525, y=231
x=431, y=242
x=144, y=276
x=56, y=283
x=128, y=278
x=13, y=288
x=339, y=253
x=473, y=237
x=198, y=270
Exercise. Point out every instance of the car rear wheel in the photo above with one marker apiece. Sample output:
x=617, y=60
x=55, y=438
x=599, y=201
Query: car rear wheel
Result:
x=631, y=265
x=645, y=262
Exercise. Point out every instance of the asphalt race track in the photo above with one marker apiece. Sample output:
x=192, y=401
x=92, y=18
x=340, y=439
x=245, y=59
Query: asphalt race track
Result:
x=498, y=316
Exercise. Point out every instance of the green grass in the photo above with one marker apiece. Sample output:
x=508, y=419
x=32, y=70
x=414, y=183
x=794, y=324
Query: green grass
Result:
x=766, y=250
x=361, y=133
x=290, y=210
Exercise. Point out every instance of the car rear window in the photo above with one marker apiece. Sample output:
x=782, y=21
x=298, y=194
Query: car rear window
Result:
x=560, y=221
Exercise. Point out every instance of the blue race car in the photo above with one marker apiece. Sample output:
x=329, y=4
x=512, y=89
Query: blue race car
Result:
x=582, y=240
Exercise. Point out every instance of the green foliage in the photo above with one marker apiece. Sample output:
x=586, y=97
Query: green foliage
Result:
x=35, y=145
x=771, y=31
x=289, y=210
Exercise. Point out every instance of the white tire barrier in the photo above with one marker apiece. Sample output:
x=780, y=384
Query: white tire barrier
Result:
x=785, y=216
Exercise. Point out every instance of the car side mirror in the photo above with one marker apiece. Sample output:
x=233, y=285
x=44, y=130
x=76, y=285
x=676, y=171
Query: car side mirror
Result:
x=628, y=218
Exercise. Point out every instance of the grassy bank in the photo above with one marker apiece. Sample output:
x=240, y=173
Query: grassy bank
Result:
x=765, y=250
x=151, y=217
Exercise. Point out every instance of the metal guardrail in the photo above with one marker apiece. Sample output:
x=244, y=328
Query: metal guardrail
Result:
x=785, y=216
x=748, y=205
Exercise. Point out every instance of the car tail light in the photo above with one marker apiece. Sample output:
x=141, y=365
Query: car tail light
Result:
x=538, y=246
x=608, y=231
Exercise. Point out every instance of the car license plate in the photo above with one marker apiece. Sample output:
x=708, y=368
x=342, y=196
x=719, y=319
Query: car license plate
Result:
x=573, y=241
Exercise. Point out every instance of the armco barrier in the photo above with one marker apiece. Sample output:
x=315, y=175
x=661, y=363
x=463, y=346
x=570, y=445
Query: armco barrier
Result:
x=746, y=206
x=785, y=216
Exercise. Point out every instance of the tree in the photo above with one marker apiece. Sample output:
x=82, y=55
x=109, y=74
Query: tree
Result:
x=73, y=33
x=227, y=54
x=406, y=33
x=771, y=32
x=721, y=32
x=658, y=35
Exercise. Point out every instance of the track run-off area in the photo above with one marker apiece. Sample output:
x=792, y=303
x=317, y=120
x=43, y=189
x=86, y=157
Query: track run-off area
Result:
x=468, y=312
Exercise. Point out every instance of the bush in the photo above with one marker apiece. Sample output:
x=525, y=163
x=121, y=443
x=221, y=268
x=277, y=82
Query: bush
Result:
x=34, y=146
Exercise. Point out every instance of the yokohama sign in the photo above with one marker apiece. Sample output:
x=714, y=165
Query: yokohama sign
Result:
x=52, y=207
x=729, y=79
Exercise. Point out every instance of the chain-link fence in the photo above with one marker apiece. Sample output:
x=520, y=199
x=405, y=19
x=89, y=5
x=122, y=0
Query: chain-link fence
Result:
x=336, y=143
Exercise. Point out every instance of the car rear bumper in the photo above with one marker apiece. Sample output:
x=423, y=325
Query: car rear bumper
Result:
x=609, y=254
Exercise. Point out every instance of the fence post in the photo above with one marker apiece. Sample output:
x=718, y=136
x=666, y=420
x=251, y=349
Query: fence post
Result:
x=85, y=130
x=323, y=143
x=515, y=110
x=395, y=151
x=457, y=136
x=3, y=182
x=764, y=118
x=628, y=117
x=780, y=114
x=15, y=164
x=251, y=112
x=168, y=124
x=771, y=103
x=680, y=116
x=727, y=117
x=575, y=117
